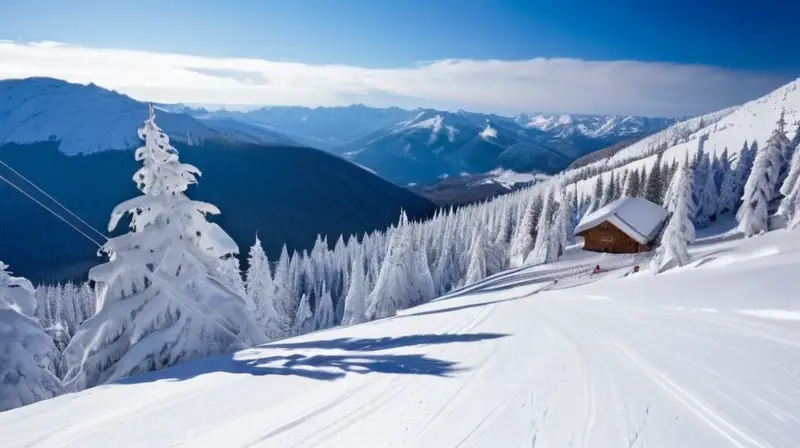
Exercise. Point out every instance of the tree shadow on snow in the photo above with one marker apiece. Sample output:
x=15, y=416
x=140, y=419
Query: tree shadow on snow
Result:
x=263, y=361
x=386, y=343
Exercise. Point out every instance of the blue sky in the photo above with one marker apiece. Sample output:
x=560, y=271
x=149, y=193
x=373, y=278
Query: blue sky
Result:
x=382, y=33
x=752, y=39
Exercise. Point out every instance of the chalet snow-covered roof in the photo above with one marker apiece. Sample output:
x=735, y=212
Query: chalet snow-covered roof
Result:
x=638, y=218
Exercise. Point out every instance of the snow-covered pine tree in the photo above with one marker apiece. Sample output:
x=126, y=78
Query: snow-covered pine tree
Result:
x=87, y=301
x=790, y=188
x=709, y=200
x=597, y=198
x=562, y=227
x=324, y=314
x=608, y=192
x=505, y=227
x=654, y=188
x=477, y=261
x=524, y=237
x=753, y=215
x=27, y=354
x=642, y=182
x=543, y=248
x=679, y=232
x=261, y=291
x=619, y=185
x=424, y=289
x=633, y=185
x=787, y=150
x=303, y=318
x=160, y=298
x=285, y=301
x=355, y=302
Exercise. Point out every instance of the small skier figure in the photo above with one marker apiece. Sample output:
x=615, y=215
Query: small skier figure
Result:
x=596, y=269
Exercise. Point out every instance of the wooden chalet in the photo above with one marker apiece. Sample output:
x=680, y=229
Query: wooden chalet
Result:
x=627, y=225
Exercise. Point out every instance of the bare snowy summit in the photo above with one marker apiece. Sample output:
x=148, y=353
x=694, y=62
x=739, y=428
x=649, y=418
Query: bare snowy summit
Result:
x=87, y=118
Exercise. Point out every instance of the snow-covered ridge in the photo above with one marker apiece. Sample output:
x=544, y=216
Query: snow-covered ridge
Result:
x=83, y=118
x=87, y=118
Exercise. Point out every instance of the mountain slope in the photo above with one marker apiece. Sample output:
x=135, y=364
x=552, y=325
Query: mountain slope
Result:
x=728, y=128
x=702, y=356
x=87, y=119
x=434, y=144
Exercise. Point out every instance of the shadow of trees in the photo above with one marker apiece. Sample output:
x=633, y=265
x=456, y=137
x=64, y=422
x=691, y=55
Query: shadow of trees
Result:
x=263, y=361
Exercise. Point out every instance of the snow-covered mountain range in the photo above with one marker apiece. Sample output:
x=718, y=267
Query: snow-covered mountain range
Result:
x=404, y=146
x=420, y=145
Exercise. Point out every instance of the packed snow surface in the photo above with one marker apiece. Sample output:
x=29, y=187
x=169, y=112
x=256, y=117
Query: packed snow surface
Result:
x=694, y=357
x=639, y=218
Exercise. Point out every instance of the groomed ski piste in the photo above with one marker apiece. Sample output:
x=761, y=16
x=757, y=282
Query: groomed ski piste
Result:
x=706, y=355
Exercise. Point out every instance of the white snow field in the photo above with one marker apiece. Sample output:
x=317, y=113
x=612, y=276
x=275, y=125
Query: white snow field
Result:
x=707, y=355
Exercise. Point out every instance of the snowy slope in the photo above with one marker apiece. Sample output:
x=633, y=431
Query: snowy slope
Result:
x=728, y=128
x=88, y=119
x=702, y=356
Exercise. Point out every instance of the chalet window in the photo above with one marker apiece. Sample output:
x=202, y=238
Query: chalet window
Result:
x=607, y=239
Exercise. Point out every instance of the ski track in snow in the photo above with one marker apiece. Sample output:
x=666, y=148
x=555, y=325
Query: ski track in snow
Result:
x=592, y=361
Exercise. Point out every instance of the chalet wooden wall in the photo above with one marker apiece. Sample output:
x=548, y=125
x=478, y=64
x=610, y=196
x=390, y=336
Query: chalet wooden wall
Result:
x=605, y=237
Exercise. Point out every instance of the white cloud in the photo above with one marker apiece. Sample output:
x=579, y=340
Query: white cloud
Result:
x=550, y=85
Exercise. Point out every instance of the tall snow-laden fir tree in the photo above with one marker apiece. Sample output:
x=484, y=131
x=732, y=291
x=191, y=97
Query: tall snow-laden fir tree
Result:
x=787, y=149
x=679, y=231
x=790, y=189
x=303, y=317
x=632, y=186
x=324, y=314
x=395, y=289
x=524, y=237
x=619, y=185
x=753, y=215
x=477, y=261
x=728, y=194
x=161, y=297
x=27, y=354
x=708, y=204
x=608, y=192
x=654, y=187
x=597, y=197
x=543, y=247
x=562, y=228
x=355, y=302
x=283, y=282
x=261, y=291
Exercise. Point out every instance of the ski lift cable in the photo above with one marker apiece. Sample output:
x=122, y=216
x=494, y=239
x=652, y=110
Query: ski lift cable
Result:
x=52, y=199
x=145, y=272
x=50, y=210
